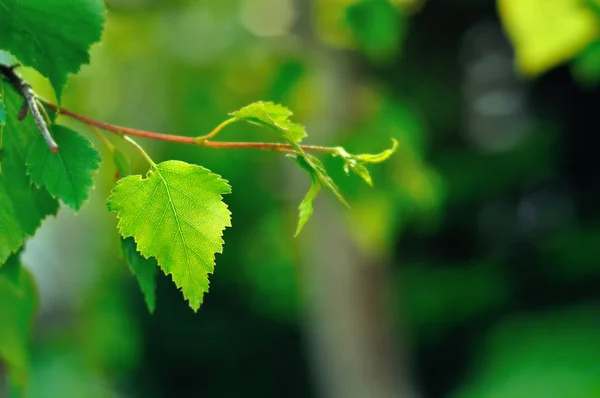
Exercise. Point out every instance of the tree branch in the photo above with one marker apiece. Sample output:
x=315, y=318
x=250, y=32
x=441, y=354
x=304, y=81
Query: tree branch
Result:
x=30, y=102
x=180, y=139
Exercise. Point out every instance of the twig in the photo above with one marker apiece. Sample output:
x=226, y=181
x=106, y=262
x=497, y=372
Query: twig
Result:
x=180, y=139
x=30, y=99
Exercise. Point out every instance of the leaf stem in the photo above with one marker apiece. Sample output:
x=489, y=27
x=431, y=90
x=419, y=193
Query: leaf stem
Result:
x=180, y=139
x=216, y=131
x=30, y=98
x=141, y=150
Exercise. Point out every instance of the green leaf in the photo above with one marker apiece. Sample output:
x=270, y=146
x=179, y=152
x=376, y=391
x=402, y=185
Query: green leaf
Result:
x=585, y=68
x=568, y=26
x=176, y=215
x=52, y=36
x=306, y=206
x=378, y=27
x=274, y=116
x=144, y=269
x=18, y=303
x=319, y=178
x=23, y=205
x=356, y=163
x=316, y=169
x=69, y=173
x=379, y=157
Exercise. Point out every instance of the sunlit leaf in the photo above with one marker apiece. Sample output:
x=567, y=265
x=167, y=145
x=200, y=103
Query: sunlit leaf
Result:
x=356, y=163
x=547, y=33
x=306, y=206
x=274, y=116
x=176, y=214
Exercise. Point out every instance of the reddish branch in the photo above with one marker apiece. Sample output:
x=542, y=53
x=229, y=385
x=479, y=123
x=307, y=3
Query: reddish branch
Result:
x=180, y=138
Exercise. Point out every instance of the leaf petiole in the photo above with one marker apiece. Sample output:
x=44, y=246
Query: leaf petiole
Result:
x=216, y=130
x=141, y=150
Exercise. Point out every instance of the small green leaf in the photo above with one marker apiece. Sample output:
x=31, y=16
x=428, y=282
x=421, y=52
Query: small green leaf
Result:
x=316, y=169
x=274, y=116
x=144, y=270
x=360, y=170
x=18, y=303
x=319, y=178
x=356, y=163
x=23, y=205
x=52, y=36
x=176, y=214
x=306, y=206
x=379, y=157
x=69, y=173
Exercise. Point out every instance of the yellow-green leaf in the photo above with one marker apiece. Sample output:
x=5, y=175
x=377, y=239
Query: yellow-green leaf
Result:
x=274, y=116
x=176, y=215
x=547, y=33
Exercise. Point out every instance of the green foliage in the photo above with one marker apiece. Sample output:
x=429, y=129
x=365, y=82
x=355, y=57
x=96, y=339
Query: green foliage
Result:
x=306, y=206
x=551, y=355
x=273, y=116
x=377, y=26
x=356, y=163
x=176, y=215
x=18, y=303
x=276, y=117
x=67, y=174
x=144, y=270
x=567, y=28
x=586, y=66
x=23, y=206
x=52, y=36
x=173, y=218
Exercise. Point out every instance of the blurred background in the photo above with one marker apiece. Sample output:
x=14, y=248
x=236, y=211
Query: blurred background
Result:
x=470, y=270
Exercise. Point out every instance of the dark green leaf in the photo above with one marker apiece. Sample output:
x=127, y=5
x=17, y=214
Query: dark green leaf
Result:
x=23, y=205
x=69, y=173
x=144, y=270
x=52, y=36
x=18, y=302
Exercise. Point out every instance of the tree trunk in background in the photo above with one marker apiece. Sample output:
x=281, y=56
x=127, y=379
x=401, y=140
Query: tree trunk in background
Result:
x=348, y=322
